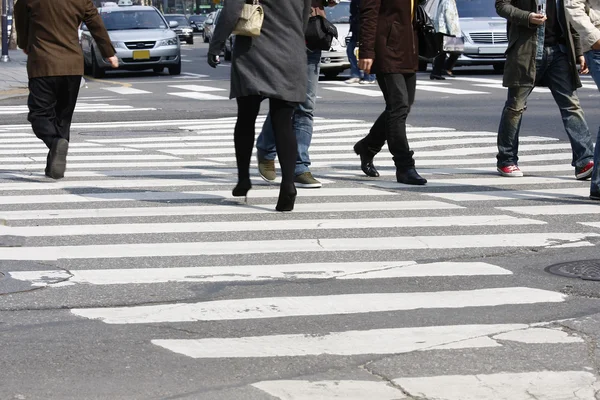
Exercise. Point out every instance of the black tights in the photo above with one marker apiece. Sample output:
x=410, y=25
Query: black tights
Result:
x=285, y=139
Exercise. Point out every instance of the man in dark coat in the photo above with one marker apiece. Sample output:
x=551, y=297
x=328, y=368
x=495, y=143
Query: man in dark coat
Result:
x=542, y=51
x=388, y=47
x=47, y=32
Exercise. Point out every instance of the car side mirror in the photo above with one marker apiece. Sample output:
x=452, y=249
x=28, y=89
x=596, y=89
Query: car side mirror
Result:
x=209, y=22
x=173, y=24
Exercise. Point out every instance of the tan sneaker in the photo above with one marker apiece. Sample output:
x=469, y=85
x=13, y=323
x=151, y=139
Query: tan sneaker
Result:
x=307, y=181
x=266, y=169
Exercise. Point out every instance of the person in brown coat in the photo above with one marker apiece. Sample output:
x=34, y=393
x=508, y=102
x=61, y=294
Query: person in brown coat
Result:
x=47, y=33
x=388, y=48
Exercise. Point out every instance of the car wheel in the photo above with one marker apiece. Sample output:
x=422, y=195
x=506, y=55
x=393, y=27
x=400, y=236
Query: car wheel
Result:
x=423, y=65
x=190, y=41
x=86, y=68
x=97, y=72
x=227, y=54
x=499, y=68
x=158, y=70
x=175, y=69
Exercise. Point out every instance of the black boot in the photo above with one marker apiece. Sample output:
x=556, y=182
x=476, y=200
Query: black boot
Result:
x=287, y=198
x=242, y=188
x=410, y=176
x=366, y=160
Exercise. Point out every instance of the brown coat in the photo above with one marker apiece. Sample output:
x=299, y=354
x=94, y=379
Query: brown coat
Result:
x=388, y=36
x=47, y=31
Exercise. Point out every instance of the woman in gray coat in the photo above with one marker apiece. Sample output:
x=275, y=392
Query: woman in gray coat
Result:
x=273, y=66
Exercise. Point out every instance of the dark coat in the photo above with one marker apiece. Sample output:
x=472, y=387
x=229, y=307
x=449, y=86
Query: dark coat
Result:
x=519, y=69
x=273, y=64
x=387, y=35
x=47, y=31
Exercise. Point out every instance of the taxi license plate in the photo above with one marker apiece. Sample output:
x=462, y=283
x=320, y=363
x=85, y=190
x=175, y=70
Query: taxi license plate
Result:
x=490, y=50
x=141, y=55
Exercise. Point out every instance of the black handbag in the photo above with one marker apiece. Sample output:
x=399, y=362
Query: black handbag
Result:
x=320, y=33
x=430, y=43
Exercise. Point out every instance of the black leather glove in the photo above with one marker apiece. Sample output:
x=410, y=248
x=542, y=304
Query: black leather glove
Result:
x=213, y=60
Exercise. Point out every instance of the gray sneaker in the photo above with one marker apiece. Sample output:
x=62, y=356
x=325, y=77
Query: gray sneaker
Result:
x=266, y=169
x=306, y=180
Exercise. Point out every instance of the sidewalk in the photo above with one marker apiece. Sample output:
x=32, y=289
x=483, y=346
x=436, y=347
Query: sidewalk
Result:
x=13, y=76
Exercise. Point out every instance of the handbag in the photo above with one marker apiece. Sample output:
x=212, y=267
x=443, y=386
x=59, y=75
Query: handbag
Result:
x=251, y=20
x=320, y=33
x=429, y=41
x=453, y=44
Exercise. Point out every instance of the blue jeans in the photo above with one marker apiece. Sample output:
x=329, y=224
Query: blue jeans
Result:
x=554, y=72
x=592, y=58
x=302, y=121
x=354, y=71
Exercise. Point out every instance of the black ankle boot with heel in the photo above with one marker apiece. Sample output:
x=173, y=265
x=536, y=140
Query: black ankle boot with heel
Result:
x=242, y=188
x=287, y=198
x=366, y=160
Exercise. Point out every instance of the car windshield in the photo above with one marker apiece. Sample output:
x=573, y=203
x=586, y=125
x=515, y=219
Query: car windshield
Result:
x=198, y=18
x=339, y=14
x=180, y=19
x=476, y=8
x=130, y=19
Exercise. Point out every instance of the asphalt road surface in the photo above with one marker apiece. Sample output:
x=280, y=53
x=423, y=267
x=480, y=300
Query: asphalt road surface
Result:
x=139, y=276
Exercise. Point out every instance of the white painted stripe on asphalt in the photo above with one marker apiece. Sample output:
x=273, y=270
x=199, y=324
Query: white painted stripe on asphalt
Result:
x=256, y=226
x=447, y=90
x=563, y=209
x=126, y=90
x=539, y=335
x=515, y=194
x=198, y=88
x=187, y=195
x=330, y=390
x=198, y=96
x=76, y=150
x=195, y=172
x=477, y=80
x=592, y=224
x=135, y=250
x=487, y=181
x=108, y=165
x=256, y=273
x=40, y=146
x=116, y=184
x=449, y=171
x=233, y=209
x=357, y=91
x=93, y=158
x=542, y=385
x=356, y=303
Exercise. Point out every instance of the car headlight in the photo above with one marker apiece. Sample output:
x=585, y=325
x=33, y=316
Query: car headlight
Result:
x=168, y=42
x=119, y=45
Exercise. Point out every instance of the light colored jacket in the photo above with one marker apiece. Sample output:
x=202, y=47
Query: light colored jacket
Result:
x=584, y=16
x=445, y=18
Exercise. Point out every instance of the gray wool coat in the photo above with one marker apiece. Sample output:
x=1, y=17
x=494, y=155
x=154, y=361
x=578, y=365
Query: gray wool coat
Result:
x=273, y=64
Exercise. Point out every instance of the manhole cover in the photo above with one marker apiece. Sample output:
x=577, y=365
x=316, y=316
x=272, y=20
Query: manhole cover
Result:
x=588, y=270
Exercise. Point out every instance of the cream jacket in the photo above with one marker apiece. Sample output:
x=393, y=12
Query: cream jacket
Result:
x=584, y=17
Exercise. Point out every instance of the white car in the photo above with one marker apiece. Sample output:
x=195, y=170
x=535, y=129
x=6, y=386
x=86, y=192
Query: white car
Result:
x=335, y=61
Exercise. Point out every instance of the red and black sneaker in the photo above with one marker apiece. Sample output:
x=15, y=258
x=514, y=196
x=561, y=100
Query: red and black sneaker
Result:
x=511, y=171
x=585, y=172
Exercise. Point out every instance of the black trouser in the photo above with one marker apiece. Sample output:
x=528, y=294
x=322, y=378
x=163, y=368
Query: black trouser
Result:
x=399, y=93
x=51, y=104
x=444, y=61
x=285, y=140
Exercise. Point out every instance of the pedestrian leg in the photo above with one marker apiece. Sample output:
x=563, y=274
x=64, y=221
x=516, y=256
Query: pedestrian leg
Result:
x=281, y=117
x=243, y=137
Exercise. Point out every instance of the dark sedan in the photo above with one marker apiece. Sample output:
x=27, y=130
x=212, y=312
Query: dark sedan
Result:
x=184, y=30
x=197, y=22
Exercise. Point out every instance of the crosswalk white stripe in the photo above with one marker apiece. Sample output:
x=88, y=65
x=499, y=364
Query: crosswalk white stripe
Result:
x=92, y=158
x=255, y=273
x=126, y=90
x=348, y=343
x=75, y=150
x=563, y=209
x=195, y=172
x=198, y=88
x=198, y=96
x=232, y=209
x=330, y=390
x=40, y=146
x=592, y=224
x=280, y=307
x=487, y=181
x=447, y=90
x=543, y=385
x=136, y=250
x=109, y=165
x=187, y=195
x=451, y=171
x=514, y=194
x=253, y=226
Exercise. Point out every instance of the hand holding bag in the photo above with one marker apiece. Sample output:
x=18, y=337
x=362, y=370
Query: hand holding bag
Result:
x=251, y=20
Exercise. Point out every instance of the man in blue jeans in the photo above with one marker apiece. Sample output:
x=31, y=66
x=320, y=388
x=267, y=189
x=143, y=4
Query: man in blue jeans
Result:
x=303, y=122
x=542, y=51
x=584, y=16
x=356, y=75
